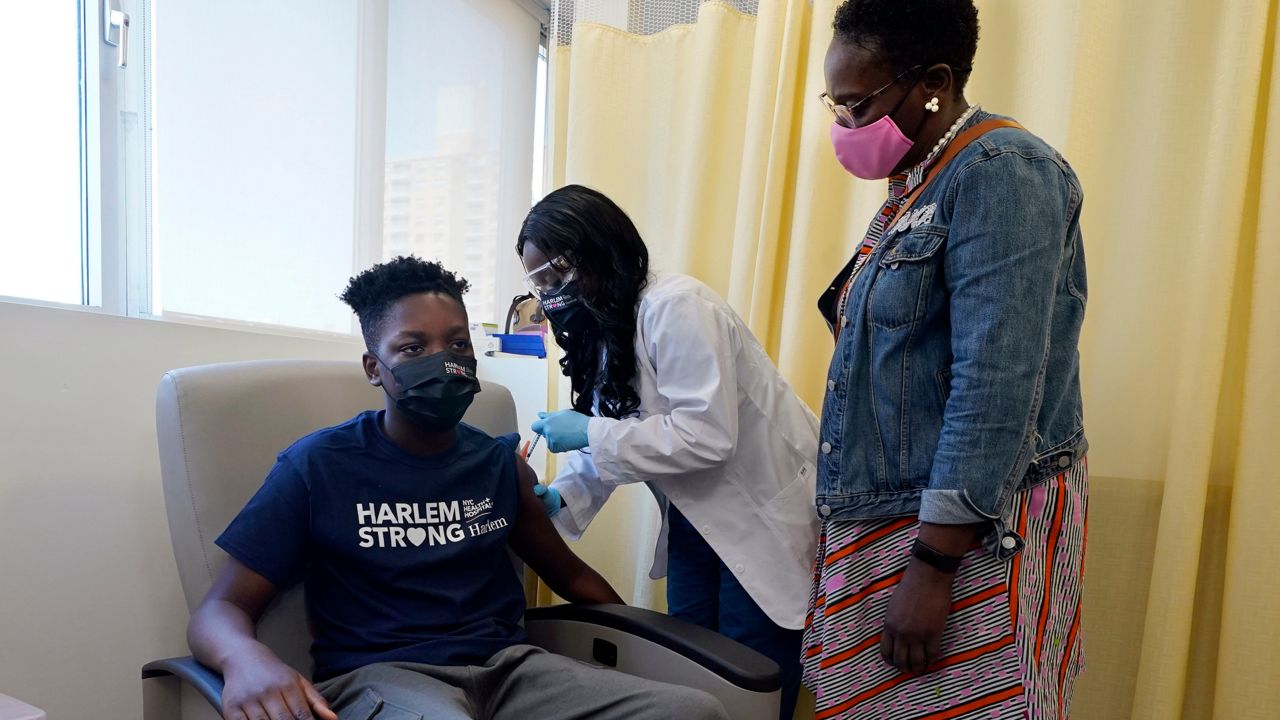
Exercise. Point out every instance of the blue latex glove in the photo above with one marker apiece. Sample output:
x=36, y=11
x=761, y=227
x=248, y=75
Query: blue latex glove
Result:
x=550, y=498
x=564, y=430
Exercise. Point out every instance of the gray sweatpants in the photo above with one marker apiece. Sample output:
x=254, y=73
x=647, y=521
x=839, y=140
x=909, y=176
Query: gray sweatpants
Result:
x=518, y=683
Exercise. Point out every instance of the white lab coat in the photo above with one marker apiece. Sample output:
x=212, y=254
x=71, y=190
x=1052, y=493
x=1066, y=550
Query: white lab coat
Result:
x=719, y=433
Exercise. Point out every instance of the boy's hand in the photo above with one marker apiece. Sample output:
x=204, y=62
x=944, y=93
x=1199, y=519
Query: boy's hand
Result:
x=262, y=687
x=257, y=684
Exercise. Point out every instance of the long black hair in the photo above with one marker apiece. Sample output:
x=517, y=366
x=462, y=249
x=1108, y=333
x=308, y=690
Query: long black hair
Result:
x=598, y=239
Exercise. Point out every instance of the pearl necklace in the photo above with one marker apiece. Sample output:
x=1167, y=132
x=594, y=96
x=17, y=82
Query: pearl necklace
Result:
x=843, y=299
x=955, y=127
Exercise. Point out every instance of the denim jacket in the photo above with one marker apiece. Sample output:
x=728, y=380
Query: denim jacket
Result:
x=955, y=379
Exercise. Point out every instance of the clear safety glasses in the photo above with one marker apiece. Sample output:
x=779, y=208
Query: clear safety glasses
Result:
x=549, y=279
x=846, y=114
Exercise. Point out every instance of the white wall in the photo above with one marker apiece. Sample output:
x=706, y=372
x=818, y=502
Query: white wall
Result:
x=88, y=587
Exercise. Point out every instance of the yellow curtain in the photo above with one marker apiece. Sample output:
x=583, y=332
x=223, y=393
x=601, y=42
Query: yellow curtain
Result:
x=711, y=136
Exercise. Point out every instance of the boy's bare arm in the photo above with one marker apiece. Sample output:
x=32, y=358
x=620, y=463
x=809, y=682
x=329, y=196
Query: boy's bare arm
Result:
x=258, y=684
x=537, y=542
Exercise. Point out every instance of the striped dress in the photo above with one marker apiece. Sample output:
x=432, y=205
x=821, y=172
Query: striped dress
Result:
x=1012, y=645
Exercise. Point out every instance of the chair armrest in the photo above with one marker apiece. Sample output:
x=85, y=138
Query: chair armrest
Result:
x=207, y=682
x=731, y=660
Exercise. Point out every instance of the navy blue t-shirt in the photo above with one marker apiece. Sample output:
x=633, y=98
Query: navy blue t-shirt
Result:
x=404, y=558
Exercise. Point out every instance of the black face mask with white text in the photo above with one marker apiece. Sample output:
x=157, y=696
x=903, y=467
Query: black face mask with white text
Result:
x=436, y=390
x=568, y=312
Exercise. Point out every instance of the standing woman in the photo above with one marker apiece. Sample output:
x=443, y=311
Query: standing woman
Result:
x=951, y=476
x=671, y=389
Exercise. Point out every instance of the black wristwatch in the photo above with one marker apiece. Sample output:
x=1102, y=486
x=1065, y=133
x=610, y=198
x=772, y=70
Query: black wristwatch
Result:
x=933, y=558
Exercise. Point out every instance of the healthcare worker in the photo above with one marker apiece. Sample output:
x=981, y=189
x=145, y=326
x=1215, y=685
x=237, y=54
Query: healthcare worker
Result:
x=671, y=389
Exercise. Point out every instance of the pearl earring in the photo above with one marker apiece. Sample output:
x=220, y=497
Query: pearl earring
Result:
x=932, y=105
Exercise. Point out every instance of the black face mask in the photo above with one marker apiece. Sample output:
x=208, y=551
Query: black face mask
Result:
x=436, y=390
x=568, y=312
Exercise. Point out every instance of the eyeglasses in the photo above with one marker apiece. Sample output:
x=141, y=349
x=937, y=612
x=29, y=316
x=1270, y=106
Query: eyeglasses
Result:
x=844, y=113
x=550, y=278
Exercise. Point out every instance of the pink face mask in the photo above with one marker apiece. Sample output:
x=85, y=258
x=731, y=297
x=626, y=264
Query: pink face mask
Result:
x=870, y=152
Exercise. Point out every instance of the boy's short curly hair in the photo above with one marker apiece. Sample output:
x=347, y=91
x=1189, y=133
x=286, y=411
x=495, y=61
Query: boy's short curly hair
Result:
x=372, y=293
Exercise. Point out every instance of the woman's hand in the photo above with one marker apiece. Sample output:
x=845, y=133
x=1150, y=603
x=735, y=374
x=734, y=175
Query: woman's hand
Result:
x=916, y=616
x=550, y=498
x=564, y=430
x=262, y=687
x=918, y=611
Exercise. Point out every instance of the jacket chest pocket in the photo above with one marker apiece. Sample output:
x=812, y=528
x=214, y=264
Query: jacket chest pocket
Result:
x=904, y=272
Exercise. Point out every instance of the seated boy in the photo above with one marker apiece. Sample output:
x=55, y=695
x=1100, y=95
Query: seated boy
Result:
x=398, y=522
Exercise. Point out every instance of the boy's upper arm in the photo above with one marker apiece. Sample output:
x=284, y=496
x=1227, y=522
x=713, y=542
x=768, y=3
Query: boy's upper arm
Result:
x=242, y=587
x=534, y=538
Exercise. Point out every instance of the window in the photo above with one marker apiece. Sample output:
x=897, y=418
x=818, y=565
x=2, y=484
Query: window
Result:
x=469, y=126
x=255, y=134
x=246, y=175
x=64, y=182
x=40, y=196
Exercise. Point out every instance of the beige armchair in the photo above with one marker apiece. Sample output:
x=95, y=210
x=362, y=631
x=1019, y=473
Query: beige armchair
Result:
x=220, y=428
